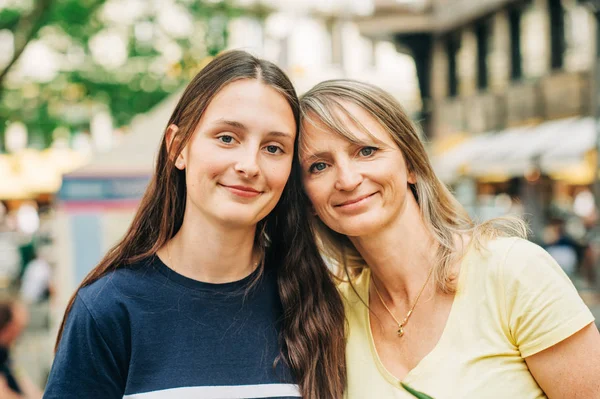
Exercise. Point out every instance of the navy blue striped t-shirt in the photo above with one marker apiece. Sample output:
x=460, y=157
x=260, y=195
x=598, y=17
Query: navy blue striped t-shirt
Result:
x=146, y=332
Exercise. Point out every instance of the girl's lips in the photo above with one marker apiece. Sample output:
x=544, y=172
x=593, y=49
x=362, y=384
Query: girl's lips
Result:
x=242, y=191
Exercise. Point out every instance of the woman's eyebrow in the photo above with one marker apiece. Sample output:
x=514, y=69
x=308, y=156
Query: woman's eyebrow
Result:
x=316, y=155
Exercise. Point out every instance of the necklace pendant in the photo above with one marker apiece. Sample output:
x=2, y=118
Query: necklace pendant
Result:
x=400, y=331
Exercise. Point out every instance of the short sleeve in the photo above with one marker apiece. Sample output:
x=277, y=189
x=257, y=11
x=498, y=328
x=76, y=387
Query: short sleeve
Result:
x=86, y=364
x=542, y=305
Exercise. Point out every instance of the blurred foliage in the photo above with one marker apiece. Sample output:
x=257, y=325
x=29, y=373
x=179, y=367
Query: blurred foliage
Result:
x=156, y=63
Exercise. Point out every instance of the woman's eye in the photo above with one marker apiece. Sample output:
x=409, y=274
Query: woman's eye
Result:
x=318, y=167
x=367, y=151
x=273, y=149
x=225, y=139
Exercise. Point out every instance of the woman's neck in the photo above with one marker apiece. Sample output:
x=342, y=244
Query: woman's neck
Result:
x=211, y=252
x=401, y=255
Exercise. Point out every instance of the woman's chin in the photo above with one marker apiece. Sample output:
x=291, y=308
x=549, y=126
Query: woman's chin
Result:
x=358, y=228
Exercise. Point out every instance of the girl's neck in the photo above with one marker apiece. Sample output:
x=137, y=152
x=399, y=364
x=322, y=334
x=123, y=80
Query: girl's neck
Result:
x=211, y=252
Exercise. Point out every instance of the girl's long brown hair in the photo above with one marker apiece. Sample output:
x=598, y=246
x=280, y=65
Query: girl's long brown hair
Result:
x=312, y=332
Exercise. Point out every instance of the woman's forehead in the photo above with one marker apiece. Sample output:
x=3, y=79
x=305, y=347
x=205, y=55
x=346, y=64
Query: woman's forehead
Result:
x=345, y=120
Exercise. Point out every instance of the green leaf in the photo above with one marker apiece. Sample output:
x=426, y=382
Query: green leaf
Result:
x=9, y=18
x=415, y=393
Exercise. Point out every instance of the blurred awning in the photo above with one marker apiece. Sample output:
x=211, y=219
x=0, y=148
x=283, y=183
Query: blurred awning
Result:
x=32, y=172
x=562, y=148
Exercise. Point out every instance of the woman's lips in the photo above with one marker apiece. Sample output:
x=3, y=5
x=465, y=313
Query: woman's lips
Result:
x=355, y=201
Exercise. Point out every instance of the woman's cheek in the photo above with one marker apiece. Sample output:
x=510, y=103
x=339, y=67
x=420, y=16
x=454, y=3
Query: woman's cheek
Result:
x=316, y=196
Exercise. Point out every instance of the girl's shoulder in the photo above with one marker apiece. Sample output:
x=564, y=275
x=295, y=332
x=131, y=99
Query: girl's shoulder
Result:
x=118, y=287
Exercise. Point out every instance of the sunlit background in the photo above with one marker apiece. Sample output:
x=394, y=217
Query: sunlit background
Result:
x=503, y=90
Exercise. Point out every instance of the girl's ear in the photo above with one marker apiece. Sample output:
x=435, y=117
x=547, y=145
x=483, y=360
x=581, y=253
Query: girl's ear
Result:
x=172, y=138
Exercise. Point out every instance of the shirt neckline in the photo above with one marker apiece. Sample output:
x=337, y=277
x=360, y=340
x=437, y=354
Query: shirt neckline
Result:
x=432, y=355
x=180, y=279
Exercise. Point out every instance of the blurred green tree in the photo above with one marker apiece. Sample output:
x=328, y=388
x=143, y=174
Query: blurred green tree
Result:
x=64, y=61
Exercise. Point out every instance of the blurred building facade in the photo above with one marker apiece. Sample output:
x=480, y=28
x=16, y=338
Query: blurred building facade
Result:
x=505, y=87
x=492, y=64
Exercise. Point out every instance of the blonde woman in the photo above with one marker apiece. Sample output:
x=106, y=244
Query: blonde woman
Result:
x=451, y=308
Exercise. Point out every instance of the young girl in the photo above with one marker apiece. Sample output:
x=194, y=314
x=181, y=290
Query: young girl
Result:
x=450, y=308
x=217, y=290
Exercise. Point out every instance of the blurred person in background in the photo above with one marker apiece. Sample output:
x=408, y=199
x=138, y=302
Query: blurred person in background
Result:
x=567, y=252
x=217, y=289
x=36, y=279
x=13, y=320
x=451, y=308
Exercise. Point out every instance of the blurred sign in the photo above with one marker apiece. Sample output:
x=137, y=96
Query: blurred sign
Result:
x=99, y=189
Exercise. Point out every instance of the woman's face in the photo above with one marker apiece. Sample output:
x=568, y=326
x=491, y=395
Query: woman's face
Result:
x=355, y=189
x=239, y=158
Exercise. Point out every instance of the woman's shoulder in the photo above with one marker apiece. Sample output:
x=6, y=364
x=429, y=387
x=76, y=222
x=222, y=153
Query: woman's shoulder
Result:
x=536, y=299
x=514, y=261
x=507, y=252
x=501, y=246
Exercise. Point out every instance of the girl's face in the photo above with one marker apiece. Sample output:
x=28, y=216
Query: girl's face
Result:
x=239, y=158
x=355, y=189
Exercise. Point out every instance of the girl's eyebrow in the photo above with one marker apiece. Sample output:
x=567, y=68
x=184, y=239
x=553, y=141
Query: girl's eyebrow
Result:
x=281, y=135
x=241, y=126
x=227, y=122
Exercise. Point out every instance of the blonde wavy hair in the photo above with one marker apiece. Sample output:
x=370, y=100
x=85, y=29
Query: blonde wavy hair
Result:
x=442, y=214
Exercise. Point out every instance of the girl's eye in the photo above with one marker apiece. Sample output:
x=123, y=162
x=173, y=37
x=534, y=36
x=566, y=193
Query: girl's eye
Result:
x=273, y=149
x=225, y=139
x=317, y=167
x=367, y=151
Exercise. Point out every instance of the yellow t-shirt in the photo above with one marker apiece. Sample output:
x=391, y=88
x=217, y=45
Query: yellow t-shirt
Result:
x=512, y=301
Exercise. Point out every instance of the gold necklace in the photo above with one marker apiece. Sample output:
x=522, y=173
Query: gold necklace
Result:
x=401, y=325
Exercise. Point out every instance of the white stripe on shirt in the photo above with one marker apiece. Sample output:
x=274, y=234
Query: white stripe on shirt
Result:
x=222, y=392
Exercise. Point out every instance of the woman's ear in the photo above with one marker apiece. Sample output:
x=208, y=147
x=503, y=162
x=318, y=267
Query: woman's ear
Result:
x=412, y=177
x=172, y=139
